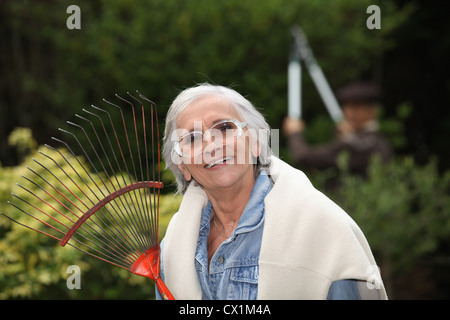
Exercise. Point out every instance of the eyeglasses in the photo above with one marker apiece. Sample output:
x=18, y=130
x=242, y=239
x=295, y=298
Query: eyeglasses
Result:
x=222, y=133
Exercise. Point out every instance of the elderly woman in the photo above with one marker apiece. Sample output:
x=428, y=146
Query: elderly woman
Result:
x=250, y=226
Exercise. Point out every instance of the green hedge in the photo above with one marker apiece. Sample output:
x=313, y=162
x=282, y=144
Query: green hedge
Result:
x=162, y=46
x=33, y=266
x=401, y=207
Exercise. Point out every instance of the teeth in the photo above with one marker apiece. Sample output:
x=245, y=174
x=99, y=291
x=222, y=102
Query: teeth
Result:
x=218, y=161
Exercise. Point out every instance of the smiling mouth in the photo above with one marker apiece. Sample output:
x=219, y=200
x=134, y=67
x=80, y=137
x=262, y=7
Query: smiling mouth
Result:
x=212, y=164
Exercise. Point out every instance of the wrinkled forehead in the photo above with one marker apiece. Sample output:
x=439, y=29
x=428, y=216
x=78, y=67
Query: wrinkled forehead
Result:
x=205, y=111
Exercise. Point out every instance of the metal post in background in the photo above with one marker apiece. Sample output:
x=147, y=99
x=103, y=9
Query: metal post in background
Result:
x=317, y=75
x=294, y=84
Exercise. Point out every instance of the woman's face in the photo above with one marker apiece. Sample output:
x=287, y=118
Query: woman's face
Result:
x=232, y=165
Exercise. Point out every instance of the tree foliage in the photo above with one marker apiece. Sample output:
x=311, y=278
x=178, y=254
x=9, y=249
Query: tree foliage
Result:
x=401, y=207
x=161, y=47
x=35, y=266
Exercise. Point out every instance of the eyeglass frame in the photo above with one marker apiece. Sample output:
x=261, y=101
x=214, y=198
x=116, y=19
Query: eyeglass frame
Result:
x=240, y=125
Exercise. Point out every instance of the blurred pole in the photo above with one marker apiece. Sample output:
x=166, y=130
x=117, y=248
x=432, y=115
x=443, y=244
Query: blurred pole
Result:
x=317, y=75
x=294, y=85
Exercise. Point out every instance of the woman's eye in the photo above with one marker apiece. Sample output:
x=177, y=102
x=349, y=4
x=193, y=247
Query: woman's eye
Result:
x=190, y=139
x=194, y=137
x=226, y=126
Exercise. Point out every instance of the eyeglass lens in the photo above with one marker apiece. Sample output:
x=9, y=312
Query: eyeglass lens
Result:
x=221, y=134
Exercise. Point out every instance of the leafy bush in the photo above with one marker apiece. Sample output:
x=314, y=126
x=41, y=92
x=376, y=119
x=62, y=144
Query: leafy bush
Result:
x=401, y=207
x=160, y=47
x=34, y=266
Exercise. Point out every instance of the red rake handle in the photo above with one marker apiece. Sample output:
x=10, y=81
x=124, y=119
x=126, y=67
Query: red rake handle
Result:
x=148, y=265
x=104, y=201
x=164, y=290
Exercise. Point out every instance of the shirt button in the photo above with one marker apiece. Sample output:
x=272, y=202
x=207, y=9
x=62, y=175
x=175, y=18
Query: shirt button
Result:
x=220, y=259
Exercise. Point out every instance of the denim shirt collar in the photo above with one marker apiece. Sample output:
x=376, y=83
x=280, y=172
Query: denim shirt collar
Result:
x=253, y=214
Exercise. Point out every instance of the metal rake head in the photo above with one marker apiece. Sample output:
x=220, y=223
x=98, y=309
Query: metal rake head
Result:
x=98, y=191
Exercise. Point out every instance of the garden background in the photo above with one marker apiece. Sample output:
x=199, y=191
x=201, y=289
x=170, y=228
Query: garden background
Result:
x=49, y=72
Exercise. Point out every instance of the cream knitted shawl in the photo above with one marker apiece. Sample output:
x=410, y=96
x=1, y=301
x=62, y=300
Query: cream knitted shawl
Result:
x=308, y=242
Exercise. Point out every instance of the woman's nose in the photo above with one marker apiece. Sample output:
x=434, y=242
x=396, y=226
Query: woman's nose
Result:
x=210, y=147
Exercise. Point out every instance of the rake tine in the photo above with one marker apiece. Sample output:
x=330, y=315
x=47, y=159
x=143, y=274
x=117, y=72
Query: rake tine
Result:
x=131, y=154
x=87, y=194
x=106, y=156
x=138, y=237
x=87, y=207
x=120, y=151
x=26, y=226
x=155, y=116
x=141, y=214
x=149, y=207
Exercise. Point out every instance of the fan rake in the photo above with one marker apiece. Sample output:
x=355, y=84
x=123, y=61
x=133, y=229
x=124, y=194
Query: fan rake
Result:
x=99, y=190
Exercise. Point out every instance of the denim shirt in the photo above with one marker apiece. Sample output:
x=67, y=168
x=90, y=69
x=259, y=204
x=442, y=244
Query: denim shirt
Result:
x=234, y=269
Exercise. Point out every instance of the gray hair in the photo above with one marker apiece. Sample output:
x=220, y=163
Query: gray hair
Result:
x=255, y=123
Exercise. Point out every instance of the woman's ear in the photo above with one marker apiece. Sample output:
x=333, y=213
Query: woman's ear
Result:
x=187, y=175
